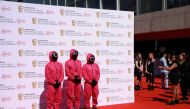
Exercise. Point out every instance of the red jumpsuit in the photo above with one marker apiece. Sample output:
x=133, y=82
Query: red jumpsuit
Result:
x=73, y=68
x=90, y=72
x=53, y=71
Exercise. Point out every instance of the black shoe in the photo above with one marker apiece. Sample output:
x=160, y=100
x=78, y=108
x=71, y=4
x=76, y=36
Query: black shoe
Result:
x=94, y=107
x=152, y=87
x=185, y=98
x=171, y=103
x=137, y=87
x=149, y=87
x=167, y=89
x=176, y=101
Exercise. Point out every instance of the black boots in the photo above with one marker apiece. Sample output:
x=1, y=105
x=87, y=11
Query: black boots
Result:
x=137, y=87
x=94, y=107
x=150, y=87
x=173, y=102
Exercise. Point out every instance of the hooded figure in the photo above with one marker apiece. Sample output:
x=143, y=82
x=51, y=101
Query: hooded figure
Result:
x=91, y=75
x=73, y=70
x=54, y=76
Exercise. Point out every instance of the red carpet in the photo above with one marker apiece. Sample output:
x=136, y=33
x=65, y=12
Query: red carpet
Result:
x=157, y=99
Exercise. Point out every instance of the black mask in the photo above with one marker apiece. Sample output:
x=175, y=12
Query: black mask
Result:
x=92, y=59
x=54, y=56
x=75, y=55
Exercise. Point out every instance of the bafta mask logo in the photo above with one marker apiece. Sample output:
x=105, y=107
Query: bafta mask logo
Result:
x=129, y=88
x=20, y=74
x=129, y=52
x=73, y=42
x=107, y=61
x=74, y=22
x=97, y=14
x=108, y=99
x=62, y=52
x=20, y=96
x=107, y=43
x=34, y=85
x=129, y=70
x=98, y=33
x=34, y=42
x=107, y=80
x=98, y=52
x=62, y=12
x=20, y=52
x=34, y=106
x=20, y=9
x=20, y=31
x=129, y=16
x=34, y=20
x=129, y=34
x=34, y=63
x=62, y=32
x=108, y=24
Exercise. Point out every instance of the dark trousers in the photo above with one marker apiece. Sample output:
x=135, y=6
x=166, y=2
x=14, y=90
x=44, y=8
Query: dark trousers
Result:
x=184, y=87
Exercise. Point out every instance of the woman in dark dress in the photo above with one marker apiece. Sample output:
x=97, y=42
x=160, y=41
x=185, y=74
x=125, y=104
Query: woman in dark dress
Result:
x=174, y=76
x=150, y=70
x=138, y=70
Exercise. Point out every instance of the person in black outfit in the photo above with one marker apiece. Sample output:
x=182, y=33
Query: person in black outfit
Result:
x=138, y=70
x=185, y=76
x=174, y=77
x=150, y=65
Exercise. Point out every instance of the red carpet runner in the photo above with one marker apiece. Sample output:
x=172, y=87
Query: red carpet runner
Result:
x=157, y=99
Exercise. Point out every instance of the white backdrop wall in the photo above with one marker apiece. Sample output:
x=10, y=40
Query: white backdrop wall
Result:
x=28, y=32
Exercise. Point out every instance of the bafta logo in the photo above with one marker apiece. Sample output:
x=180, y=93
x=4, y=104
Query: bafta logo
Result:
x=20, y=52
x=62, y=12
x=20, y=74
x=62, y=32
x=62, y=52
x=107, y=61
x=20, y=96
x=20, y=31
x=97, y=14
x=98, y=33
x=34, y=42
x=107, y=80
x=74, y=22
x=97, y=52
x=129, y=34
x=20, y=9
x=34, y=20
x=34, y=63
x=129, y=52
x=108, y=99
x=129, y=70
x=129, y=88
x=108, y=24
x=107, y=43
x=34, y=85
x=129, y=16
x=73, y=42
x=34, y=106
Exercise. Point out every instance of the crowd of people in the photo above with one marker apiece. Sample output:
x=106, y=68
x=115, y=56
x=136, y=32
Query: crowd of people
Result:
x=173, y=69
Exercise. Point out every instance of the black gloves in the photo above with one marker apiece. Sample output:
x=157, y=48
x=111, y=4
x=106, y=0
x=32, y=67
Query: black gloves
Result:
x=77, y=80
x=94, y=82
x=57, y=84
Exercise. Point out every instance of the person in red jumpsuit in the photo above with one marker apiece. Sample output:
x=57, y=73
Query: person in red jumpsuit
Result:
x=73, y=70
x=54, y=76
x=91, y=75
